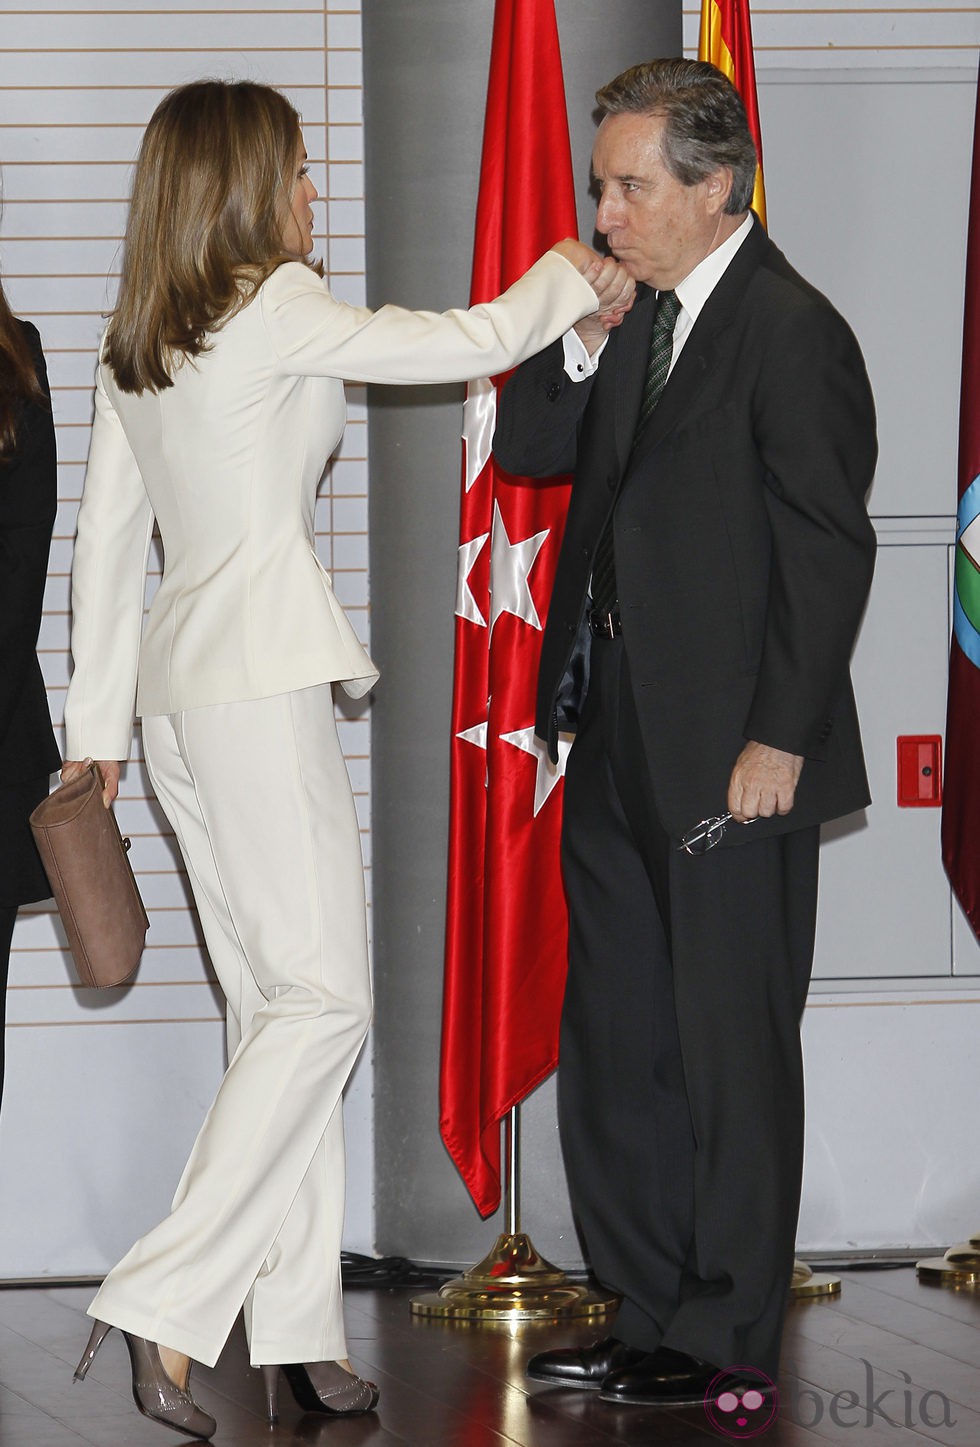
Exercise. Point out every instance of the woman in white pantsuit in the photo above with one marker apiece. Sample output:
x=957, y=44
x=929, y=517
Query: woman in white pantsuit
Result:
x=219, y=399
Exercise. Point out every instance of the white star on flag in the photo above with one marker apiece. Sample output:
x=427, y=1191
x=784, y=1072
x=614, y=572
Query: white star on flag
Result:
x=547, y=774
x=479, y=419
x=970, y=540
x=510, y=564
x=466, y=605
x=476, y=735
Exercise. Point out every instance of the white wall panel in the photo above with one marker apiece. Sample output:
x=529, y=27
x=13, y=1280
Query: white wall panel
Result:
x=867, y=179
x=889, y=1097
x=799, y=33
x=114, y=1085
x=885, y=909
x=867, y=124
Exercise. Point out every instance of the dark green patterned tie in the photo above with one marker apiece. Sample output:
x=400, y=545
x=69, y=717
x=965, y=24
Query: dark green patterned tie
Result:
x=661, y=351
x=605, y=594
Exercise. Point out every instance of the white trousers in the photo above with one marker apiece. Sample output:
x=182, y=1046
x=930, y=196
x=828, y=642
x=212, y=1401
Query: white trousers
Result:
x=260, y=802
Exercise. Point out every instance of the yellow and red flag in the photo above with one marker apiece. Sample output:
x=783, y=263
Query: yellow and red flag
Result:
x=726, y=40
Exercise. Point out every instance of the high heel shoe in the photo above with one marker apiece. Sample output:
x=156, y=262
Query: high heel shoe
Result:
x=320, y=1387
x=154, y=1392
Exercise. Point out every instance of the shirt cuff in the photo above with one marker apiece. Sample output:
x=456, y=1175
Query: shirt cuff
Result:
x=578, y=363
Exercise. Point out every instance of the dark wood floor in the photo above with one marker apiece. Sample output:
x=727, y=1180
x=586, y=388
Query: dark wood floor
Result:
x=890, y=1363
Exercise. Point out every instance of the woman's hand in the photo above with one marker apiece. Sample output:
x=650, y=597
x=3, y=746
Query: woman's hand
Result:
x=616, y=291
x=71, y=769
x=582, y=257
x=613, y=287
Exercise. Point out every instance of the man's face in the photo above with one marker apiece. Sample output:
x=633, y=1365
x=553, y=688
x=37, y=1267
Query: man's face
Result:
x=657, y=228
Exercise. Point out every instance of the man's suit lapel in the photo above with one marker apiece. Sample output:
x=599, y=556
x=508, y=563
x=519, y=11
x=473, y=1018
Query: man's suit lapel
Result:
x=632, y=350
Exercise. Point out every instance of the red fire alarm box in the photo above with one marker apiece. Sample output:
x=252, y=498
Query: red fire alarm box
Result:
x=920, y=771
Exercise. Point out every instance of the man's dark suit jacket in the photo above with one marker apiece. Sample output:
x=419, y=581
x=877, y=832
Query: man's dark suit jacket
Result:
x=744, y=552
x=28, y=503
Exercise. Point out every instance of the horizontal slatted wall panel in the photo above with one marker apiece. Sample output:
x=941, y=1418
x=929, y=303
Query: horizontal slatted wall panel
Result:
x=77, y=83
x=798, y=33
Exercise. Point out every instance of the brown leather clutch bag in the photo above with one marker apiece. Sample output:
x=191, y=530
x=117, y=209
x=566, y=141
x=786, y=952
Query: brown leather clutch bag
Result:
x=92, y=881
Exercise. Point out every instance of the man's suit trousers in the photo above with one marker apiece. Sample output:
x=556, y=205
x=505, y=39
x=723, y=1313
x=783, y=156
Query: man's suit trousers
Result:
x=680, y=1084
x=261, y=805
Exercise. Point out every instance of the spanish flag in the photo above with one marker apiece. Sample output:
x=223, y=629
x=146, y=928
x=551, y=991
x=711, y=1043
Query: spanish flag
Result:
x=726, y=40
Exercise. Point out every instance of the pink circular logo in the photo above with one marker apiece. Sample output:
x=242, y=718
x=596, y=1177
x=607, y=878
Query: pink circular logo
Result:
x=742, y=1403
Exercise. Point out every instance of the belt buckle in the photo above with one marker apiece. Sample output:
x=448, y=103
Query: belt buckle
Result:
x=609, y=625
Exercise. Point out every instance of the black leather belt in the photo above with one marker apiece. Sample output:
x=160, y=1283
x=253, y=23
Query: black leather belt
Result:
x=606, y=625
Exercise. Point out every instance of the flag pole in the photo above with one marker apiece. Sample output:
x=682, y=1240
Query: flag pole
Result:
x=512, y=1152
x=506, y=919
x=506, y=927
x=513, y=1283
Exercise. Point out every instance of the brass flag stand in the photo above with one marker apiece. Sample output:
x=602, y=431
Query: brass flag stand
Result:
x=513, y=1283
x=958, y=1268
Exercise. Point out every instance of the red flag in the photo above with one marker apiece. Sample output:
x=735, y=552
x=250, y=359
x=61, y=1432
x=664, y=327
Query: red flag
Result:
x=726, y=40
x=961, y=793
x=506, y=930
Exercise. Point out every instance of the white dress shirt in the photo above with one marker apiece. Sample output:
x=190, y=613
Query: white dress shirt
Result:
x=692, y=293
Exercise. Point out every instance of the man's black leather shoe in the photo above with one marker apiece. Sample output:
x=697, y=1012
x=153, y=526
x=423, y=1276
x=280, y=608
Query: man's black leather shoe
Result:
x=585, y=1368
x=664, y=1378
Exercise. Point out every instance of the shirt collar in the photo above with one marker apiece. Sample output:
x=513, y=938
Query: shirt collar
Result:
x=698, y=285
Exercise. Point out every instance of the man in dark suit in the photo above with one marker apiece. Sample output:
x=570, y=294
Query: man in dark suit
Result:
x=716, y=561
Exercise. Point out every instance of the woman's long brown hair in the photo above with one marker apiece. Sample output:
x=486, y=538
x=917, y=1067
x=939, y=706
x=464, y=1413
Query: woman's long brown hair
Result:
x=18, y=379
x=212, y=187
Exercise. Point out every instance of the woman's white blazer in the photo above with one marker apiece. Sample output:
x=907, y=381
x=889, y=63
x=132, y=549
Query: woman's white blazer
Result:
x=227, y=461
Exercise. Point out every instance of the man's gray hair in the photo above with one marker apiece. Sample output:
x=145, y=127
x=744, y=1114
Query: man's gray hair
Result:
x=706, y=126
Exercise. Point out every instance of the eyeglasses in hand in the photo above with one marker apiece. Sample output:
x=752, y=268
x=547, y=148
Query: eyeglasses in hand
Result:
x=707, y=834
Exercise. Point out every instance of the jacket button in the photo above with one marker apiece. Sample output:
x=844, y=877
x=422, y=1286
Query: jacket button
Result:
x=554, y=392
